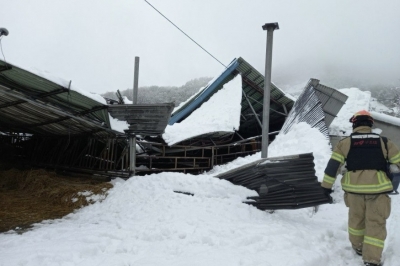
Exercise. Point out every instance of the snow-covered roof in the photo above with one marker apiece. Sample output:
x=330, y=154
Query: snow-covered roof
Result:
x=386, y=118
x=250, y=106
x=221, y=113
x=358, y=100
x=51, y=105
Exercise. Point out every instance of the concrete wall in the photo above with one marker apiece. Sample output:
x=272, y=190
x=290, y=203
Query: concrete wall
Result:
x=389, y=130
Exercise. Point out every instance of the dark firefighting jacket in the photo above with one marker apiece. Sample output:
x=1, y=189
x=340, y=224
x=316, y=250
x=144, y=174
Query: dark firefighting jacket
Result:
x=366, y=165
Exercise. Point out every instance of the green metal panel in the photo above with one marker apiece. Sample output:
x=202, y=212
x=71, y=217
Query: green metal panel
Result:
x=253, y=87
x=52, y=93
x=256, y=89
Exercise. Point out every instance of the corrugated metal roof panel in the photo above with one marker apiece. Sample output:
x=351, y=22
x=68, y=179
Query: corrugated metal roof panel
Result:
x=331, y=100
x=253, y=88
x=286, y=182
x=33, y=104
x=317, y=105
x=307, y=108
x=144, y=119
x=39, y=88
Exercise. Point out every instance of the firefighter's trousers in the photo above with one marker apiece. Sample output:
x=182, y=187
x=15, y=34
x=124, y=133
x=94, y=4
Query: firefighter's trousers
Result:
x=367, y=223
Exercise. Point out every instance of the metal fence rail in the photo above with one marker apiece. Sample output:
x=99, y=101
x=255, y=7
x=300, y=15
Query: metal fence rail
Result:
x=111, y=156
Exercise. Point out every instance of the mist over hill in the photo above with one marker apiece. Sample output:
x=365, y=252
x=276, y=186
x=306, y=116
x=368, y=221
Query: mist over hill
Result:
x=164, y=94
x=386, y=93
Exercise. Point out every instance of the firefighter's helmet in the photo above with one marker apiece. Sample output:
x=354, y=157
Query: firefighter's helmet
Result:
x=362, y=118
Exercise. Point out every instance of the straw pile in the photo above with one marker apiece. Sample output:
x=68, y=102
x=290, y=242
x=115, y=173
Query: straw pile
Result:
x=28, y=197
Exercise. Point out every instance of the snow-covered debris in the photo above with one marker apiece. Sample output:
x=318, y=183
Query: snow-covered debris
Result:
x=220, y=113
x=386, y=118
x=357, y=100
x=144, y=222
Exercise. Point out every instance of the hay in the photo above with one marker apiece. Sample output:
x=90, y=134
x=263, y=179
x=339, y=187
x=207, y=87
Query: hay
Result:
x=32, y=196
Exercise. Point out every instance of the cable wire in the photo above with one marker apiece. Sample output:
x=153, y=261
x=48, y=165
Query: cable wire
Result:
x=185, y=34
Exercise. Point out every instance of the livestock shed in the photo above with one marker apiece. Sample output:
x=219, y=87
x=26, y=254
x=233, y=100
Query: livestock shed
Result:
x=45, y=122
x=317, y=106
x=49, y=124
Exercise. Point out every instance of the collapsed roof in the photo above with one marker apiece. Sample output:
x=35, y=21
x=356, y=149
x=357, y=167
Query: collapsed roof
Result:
x=35, y=105
x=52, y=112
x=251, y=104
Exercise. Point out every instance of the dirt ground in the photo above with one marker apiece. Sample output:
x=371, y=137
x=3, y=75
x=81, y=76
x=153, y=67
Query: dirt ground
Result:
x=31, y=196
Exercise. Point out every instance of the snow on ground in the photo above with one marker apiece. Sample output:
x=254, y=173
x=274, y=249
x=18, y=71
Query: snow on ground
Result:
x=144, y=222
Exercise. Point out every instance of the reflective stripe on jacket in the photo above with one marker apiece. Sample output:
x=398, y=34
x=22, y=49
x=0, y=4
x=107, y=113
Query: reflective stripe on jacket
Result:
x=359, y=181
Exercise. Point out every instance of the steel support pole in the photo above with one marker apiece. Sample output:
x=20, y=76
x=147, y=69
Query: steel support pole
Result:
x=269, y=27
x=132, y=152
x=135, y=81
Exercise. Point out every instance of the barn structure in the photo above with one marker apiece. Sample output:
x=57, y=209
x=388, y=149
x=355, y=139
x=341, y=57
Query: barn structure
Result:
x=48, y=123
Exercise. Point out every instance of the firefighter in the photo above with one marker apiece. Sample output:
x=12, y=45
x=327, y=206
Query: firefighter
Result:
x=366, y=185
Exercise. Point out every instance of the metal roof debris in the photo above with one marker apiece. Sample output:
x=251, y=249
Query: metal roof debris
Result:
x=286, y=182
x=32, y=104
x=143, y=119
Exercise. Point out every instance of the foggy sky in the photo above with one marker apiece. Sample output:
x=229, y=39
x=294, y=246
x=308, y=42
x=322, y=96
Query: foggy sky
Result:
x=94, y=42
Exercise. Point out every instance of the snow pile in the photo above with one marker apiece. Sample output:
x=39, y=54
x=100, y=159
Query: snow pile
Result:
x=180, y=219
x=118, y=125
x=220, y=113
x=144, y=222
x=357, y=100
x=378, y=107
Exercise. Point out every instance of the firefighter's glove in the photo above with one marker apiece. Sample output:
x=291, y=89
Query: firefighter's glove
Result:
x=394, y=169
x=327, y=191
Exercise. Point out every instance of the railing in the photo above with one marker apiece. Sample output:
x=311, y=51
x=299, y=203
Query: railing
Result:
x=111, y=156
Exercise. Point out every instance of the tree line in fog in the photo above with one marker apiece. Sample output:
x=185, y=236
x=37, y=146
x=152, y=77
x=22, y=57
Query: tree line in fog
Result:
x=163, y=94
x=390, y=97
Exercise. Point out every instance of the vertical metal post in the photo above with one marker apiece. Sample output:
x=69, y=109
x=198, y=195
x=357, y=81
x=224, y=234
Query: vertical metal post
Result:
x=132, y=152
x=135, y=81
x=269, y=27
